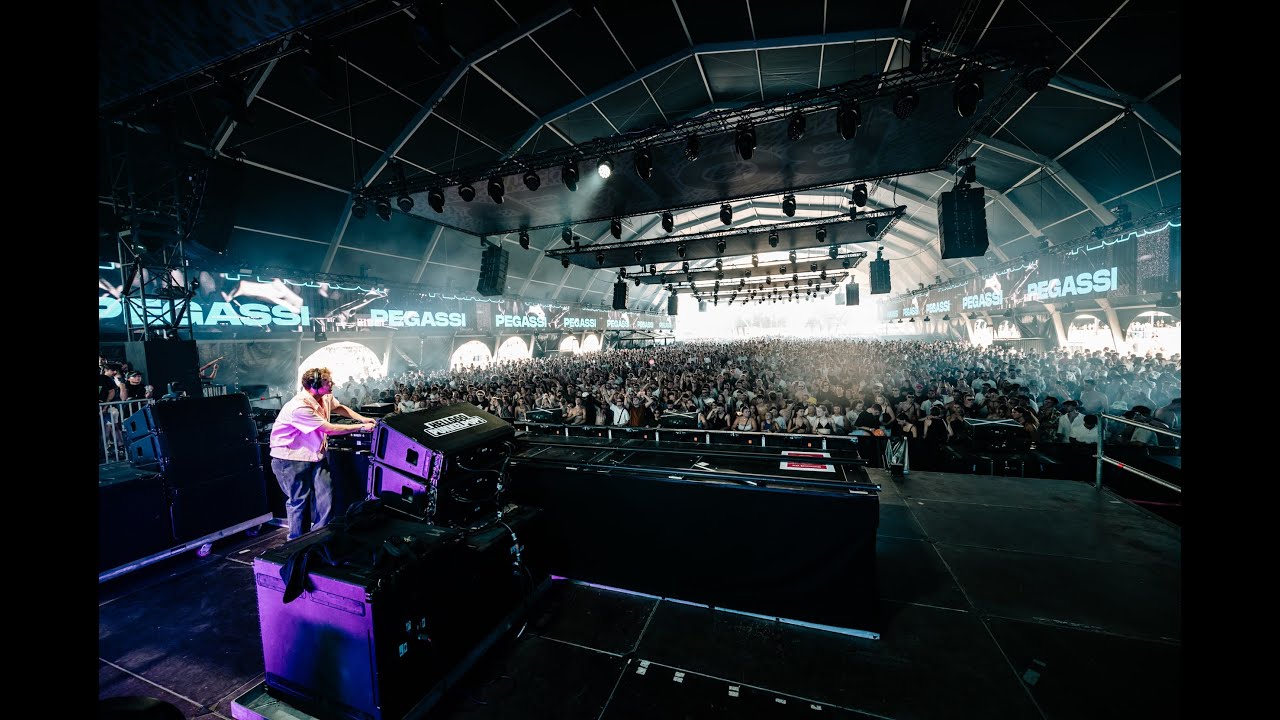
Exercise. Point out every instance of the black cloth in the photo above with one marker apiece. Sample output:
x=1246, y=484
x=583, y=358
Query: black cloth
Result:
x=105, y=386
x=867, y=419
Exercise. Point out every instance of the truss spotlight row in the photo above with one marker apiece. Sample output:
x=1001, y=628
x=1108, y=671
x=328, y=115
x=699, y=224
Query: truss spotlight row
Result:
x=859, y=195
x=848, y=119
x=668, y=221
x=382, y=207
x=773, y=238
x=532, y=181
x=524, y=239
x=691, y=147
x=615, y=228
x=746, y=141
x=466, y=192
x=359, y=209
x=726, y=214
x=968, y=93
x=496, y=189
x=644, y=163
x=604, y=168
x=569, y=174
x=789, y=205
x=905, y=103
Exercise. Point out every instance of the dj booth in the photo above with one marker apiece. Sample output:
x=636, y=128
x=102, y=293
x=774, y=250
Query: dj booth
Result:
x=784, y=533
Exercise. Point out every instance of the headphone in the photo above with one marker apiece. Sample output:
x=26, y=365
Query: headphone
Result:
x=316, y=381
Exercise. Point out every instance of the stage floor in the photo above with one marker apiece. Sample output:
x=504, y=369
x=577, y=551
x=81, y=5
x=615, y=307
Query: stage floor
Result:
x=1002, y=597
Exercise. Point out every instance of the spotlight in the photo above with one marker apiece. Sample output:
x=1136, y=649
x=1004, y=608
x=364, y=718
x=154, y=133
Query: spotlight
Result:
x=821, y=234
x=834, y=252
x=569, y=174
x=927, y=318
x=567, y=236
x=668, y=221
x=968, y=93
x=719, y=276
x=359, y=209
x=795, y=128
x=466, y=192
x=726, y=214
x=789, y=205
x=719, y=264
x=746, y=141
x=848, y=119
x=860, y=195
x=845, y=263
x=564, y=262
x=813, y=267
x=691, y=148
x=382, y=208
x=685, y=266
x=905, y=103
x=532, y=181
x=615, y=228
x=1037, y=78
x=577, y=247
x=638, y=254
x=755, y=260
x=946, y=318
x=405, y=203
x=524, y=239
x=720, y=246
x=680, y=250
x=792, y=257
x=600, y=259
x=644, y=163
x=622, y=272
x=653, y=269
x=773, y=238
x=637, y=281
x=435, y=198
x=872, y=228
x=605, y=168
x=496, y=189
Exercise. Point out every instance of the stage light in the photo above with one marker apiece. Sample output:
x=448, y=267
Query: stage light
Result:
x=405, y=203
x=495, y=189
x=846, y=263
x=813, y=267
x=834, y=252
x=524, y=239
x=685, y=266
x=821, y=234
x=668, y=221
x=466, y=192
x=746, y=141
x=792, y=257
x=605, y=168
x=968, y=93
x=795, y=128
x=644, y=163
x=435, y=198
x=1037, y=78
x=848, y=119
x=872, y=228
x=564, y=262
x=532, y=181
x=946, y=318
x=569, y=174
x=789, y=205
x=653, y=269
x=577, y=247
x=637, y=281
x=567, y=236
x=622, y=272
x=359, y=209
x=719, y=264
x=926, y=319
x=691, y=147
x=615, y=228
x=726, y=213
x=638, y=255
x=859, y=195
x=680, y=250
x=720, y=246
x=719, y=276
x=382, y=208
x=755, y=260
x=905, y=103
x=600, y=258
x=773, y=238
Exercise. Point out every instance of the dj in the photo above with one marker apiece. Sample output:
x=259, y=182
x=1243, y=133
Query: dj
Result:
x=298, y=450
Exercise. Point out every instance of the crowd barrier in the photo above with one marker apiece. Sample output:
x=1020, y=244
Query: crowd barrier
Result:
x=112, y=444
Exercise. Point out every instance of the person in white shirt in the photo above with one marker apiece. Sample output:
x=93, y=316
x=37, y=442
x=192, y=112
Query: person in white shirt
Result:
x=619, y=409
x=1069, y=420
x=1086, y=431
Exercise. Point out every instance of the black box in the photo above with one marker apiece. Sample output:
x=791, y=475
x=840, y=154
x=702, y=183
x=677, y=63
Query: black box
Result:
x=133, y=515
x=202, y=508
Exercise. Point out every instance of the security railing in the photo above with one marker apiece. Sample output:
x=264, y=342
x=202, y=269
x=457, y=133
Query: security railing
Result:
x=111, y=417
x=791, y=441
x=1104, y=460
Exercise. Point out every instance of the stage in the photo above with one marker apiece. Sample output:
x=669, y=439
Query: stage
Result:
x=1000, y=597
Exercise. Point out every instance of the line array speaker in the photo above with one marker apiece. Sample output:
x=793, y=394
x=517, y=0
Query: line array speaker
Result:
x=493, y=271
x=962, y=223
x=880, y=282
x=620, y=295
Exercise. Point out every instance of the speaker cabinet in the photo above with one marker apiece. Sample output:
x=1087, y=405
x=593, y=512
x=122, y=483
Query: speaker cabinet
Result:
x=165, y=361
x=493, y=271
x=851, y=294
x=880, y=283
x=620, y=295
x=223, y=184
x=198, y=509
x=702, y=306
x=962, y=223
x=673, y=305
x=133, y=515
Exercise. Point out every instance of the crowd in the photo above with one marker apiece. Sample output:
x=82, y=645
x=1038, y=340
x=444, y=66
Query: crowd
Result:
x=898, y=388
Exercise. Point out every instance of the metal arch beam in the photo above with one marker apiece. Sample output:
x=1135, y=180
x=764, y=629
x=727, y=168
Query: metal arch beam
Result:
x=426, y=256
x=425, y=111
x=1060, y=174
x=1146, y=112
x=693, y=51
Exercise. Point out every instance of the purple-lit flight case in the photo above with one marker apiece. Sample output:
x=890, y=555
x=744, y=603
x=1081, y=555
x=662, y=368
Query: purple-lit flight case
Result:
x=418, y=443
x=362, y=643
